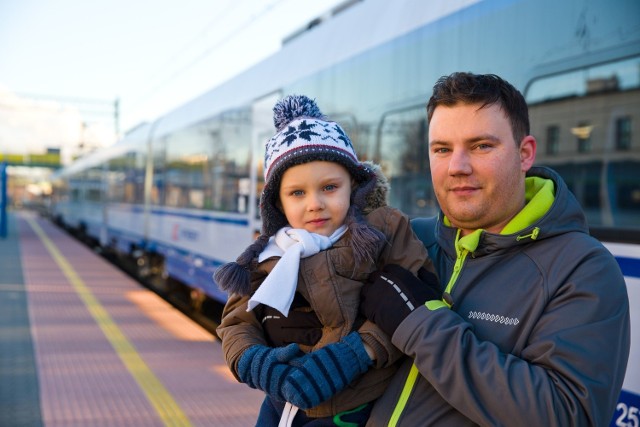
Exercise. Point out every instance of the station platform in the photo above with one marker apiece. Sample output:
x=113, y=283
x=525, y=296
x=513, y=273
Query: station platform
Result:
x=82, y=344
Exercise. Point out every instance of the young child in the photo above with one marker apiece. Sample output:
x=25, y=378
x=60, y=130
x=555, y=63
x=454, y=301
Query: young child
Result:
x=296, y=290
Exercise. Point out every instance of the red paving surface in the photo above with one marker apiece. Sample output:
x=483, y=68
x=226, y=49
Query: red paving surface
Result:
x=83, y=382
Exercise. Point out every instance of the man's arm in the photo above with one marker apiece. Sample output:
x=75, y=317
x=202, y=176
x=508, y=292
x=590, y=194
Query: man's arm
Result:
x=569, y=373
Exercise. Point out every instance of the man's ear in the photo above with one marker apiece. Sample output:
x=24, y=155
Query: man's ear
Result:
x=528, y=148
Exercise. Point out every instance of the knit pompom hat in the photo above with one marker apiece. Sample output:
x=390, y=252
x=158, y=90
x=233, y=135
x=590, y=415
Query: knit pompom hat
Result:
x=304, y=134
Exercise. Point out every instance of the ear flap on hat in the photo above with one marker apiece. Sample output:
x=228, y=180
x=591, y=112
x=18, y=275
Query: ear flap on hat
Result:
x=365, y=239
x=273, y=219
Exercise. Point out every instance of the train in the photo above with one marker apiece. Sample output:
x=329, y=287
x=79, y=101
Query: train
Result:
x=179, y=196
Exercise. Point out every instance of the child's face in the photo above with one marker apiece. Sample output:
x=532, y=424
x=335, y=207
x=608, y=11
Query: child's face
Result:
x=315, y=196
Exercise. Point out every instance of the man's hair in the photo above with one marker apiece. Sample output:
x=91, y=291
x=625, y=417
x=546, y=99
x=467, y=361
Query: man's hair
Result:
x=484, y=89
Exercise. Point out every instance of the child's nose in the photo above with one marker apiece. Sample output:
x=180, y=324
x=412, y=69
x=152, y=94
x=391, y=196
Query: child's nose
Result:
x=316, y=202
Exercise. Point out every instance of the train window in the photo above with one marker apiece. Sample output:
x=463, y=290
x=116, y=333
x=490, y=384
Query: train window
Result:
x=60, y=192
x=75, y=193
x=137, y=176
x=205, y=164
x=593, y=112
x=402, y=151
x=125, y=178
x=157, y=195
x=93, y=183
x=115, y=187
x=616, y=76
x=259, y=155
x=187, y=155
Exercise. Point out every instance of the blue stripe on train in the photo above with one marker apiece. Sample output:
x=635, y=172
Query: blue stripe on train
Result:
x=626, y=410
x=630, y=266
x=191, y=215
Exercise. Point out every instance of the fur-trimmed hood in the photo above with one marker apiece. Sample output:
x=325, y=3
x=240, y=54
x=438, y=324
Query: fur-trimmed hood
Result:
x=378, y=197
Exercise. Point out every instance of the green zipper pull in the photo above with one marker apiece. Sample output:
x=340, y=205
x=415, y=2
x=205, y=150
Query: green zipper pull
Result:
x=533, y=235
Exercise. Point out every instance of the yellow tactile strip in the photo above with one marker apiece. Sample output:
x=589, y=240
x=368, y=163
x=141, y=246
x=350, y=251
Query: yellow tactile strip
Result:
x=104, y=353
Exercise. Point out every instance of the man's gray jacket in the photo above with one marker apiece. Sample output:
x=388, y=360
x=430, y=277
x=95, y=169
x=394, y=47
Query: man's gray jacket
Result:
x=538, y=333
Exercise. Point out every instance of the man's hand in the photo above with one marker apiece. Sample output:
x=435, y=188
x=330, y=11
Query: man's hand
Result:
x=393, y=293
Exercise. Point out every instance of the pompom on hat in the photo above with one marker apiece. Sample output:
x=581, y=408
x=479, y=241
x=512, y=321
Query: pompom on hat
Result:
x=304, y=134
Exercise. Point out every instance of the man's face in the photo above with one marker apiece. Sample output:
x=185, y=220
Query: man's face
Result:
x=477, y=168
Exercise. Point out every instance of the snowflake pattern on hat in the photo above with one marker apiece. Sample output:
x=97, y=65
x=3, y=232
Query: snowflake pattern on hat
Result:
x=302, y=131
x=305, y=136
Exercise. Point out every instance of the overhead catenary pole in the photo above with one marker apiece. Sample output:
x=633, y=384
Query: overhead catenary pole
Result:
x=3, y=200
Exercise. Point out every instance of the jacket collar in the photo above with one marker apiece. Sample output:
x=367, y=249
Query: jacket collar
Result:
x=551, y=209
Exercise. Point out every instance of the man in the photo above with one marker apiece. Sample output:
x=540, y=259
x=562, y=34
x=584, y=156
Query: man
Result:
x=533, y=325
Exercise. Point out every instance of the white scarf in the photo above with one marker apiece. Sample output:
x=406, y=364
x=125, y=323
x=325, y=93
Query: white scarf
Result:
x=290, y=244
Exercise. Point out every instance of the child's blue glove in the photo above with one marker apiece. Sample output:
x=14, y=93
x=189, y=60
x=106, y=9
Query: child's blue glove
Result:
x=323, y=373
x=266, y=368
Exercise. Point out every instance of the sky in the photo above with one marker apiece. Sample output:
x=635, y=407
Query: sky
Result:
x=77, y=57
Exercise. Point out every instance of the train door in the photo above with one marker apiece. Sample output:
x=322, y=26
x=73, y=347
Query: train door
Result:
x=263, y=129
x=104, y=191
